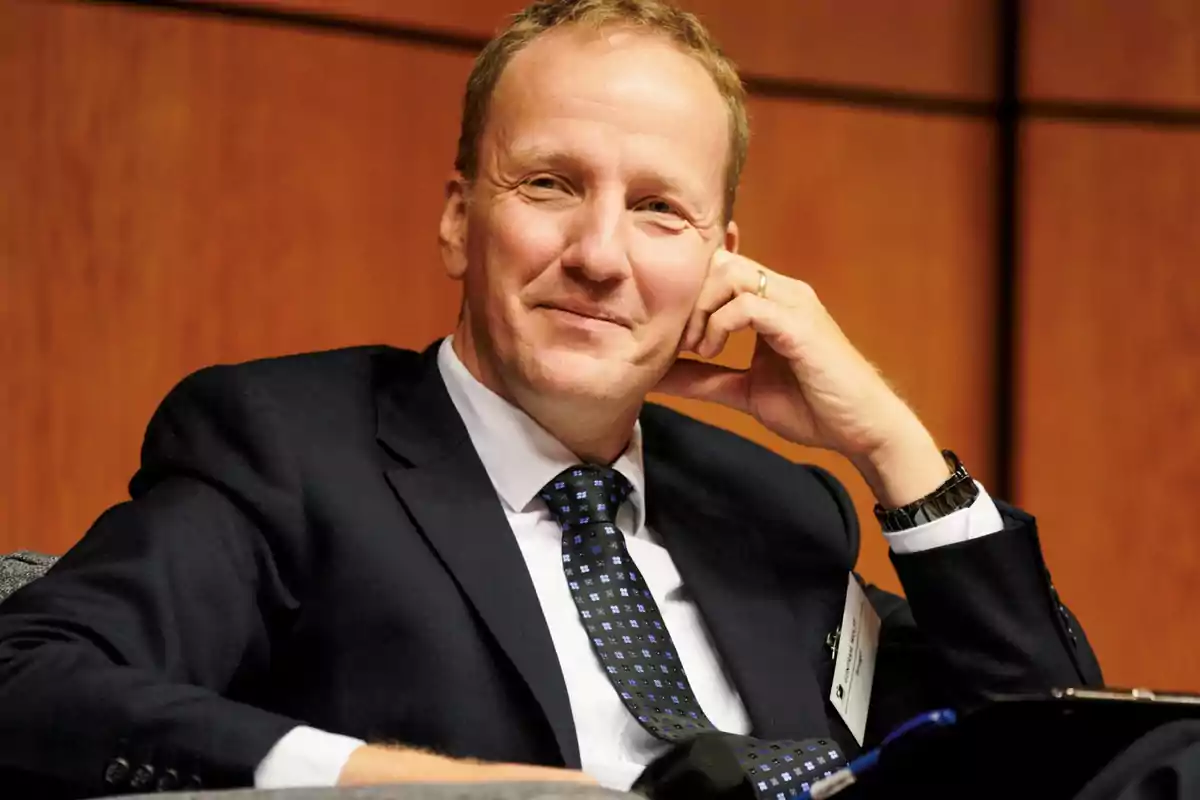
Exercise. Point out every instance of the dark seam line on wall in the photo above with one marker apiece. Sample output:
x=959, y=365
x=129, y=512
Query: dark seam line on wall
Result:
x=866, y=97
x=1007, y=173
x=1113, y=113
x=313, y=20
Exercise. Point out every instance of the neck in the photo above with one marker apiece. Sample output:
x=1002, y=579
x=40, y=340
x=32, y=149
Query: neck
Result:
x=596, y=431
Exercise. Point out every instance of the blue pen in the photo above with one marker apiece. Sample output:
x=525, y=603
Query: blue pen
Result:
x=848, y=775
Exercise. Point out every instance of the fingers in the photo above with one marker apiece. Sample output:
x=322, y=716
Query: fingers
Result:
x=743, y=311
x=732, y=277
x=697, y=380
x=729, y=275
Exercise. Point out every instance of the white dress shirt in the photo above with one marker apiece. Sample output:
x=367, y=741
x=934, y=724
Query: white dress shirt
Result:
x=520, y=458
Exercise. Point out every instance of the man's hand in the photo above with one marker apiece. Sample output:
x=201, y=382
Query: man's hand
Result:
x=376, y=764
x=806, y=381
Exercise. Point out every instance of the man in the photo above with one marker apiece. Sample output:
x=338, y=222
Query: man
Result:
x=372, y=565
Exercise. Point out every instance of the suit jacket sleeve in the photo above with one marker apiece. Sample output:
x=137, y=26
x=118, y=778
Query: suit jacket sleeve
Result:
x=131, y=654
x=981, y=617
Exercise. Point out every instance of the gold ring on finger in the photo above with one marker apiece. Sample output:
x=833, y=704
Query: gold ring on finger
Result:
x=762, y=285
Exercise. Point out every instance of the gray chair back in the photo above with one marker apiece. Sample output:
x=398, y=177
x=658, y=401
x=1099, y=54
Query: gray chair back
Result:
x=20, y=568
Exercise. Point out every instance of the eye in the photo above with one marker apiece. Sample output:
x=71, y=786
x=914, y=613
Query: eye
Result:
x=546, y=183
x=656, y=205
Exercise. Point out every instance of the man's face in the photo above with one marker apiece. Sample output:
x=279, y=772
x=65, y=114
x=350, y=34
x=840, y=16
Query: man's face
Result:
x=598, y=202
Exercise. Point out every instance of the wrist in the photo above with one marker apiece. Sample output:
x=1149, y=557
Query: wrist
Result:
x=375, y=764
x=907, y=467
x=959, y=491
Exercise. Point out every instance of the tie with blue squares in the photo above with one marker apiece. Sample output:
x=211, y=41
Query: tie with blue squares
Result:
x=631, y=640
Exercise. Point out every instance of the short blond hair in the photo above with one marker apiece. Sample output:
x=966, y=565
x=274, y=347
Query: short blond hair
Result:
x=654, y=16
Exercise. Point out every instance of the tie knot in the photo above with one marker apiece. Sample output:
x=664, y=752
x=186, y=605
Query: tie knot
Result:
x=585, y=495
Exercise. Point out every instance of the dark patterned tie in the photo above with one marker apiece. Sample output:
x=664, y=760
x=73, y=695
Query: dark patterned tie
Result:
x=631, y=640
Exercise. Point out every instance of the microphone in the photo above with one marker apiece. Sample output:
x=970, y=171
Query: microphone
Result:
x=704, y=767
x=714, y=766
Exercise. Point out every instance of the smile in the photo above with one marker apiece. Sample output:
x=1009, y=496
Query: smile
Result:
x=587, y=317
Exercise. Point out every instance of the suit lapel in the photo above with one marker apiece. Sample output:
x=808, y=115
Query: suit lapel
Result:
x=761, y=633
x=446, y=490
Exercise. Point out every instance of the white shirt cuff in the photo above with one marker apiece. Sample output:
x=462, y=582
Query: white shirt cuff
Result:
x=981, y=518
x=305, y=757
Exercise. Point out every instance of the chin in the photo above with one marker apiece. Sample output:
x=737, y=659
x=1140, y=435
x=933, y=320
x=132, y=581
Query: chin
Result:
x=577, y=374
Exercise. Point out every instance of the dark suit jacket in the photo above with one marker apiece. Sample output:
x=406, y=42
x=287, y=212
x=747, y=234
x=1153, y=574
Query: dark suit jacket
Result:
x=314, y=540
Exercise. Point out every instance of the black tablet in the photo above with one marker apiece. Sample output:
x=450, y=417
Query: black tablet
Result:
x=1021, y=746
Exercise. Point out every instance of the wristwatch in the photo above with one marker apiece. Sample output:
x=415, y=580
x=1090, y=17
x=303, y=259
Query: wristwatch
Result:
x=958, y=492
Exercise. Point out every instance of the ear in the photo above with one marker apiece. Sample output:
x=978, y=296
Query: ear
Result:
x=732, y=237
x=452, y=230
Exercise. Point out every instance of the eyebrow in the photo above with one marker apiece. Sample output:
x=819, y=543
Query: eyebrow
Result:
x=543, y=155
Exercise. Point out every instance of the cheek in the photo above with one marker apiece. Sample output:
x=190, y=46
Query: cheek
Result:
x=671, y=281
x=514, y=247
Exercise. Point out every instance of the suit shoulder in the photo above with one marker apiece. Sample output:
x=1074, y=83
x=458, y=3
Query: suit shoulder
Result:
x=665, y=427
x=745, y=479
x=665, y=424
x=274, y=411
x=725, y=455
x=322, y=370
x=300, y=383
x=309, y=393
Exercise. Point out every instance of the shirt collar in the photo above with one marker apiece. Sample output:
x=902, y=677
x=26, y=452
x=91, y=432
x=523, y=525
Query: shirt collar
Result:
x=520, y=456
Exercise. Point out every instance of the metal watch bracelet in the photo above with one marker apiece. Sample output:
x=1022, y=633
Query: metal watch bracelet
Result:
x=958, y=492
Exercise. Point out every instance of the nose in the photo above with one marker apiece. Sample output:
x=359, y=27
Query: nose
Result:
x=596, y=247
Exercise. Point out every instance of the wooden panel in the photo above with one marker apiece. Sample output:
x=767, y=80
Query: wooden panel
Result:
x=885, y=217
x=938, y=46
x=941, y=46
x=1109, y=435
x=178, y=191
x=1143, y=52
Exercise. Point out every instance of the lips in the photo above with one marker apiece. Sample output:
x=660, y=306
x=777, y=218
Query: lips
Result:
x=589, y=311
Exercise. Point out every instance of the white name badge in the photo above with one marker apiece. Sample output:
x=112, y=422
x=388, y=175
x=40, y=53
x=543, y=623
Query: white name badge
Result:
x=854, y=664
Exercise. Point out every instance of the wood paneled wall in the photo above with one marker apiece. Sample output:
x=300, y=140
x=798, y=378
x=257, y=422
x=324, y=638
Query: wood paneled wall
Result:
x=179, y=189
x=183, y=191
x=1108, y=433
x=1144, y=52
x=935, y=46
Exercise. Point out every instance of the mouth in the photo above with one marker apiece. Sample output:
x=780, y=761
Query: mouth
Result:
x=583, y=313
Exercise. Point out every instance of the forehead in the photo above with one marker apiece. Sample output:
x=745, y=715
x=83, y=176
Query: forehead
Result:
x=630, y=93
